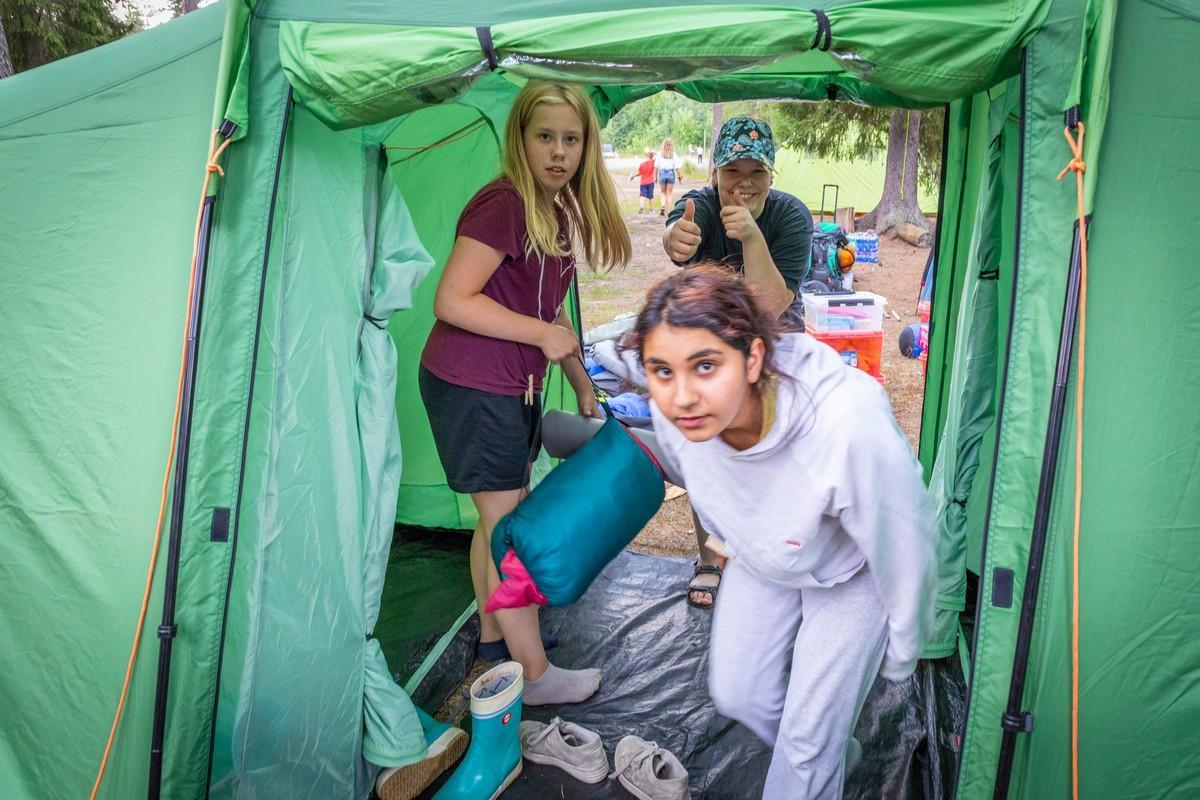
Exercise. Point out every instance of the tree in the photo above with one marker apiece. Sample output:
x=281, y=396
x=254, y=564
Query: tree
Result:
x=647, y=122
x=848, y=131
x=41, y=31
x=6, y=67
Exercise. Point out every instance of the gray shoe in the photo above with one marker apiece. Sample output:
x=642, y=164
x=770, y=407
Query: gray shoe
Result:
x=573, y=749
x=648, y=771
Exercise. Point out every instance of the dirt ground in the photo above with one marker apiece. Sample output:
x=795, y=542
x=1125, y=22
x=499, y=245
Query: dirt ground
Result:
x=897, y=277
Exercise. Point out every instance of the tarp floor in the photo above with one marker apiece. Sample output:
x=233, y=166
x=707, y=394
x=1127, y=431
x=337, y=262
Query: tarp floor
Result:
x=653, y=648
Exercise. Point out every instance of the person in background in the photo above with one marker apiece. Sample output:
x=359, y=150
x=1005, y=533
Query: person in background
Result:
x=647, y=172
x=761, y=233
x=670, y=172
x=500, y=321
x=794, y=460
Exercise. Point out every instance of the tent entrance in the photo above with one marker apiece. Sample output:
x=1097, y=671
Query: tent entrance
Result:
x=632, y=623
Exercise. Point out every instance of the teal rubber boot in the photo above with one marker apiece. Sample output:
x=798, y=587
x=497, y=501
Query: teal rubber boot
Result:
x=444, y=745
x=494, y=759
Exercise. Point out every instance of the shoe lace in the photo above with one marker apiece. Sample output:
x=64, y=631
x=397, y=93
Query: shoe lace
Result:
x=650, y=750
x=545, y=732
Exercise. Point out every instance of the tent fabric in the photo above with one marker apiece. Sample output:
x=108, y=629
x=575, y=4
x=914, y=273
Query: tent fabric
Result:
x=1141, y=505
x=971, y=415
x=354, y=74
x=97, y=208
x=393, y=734
x=104, y=155
x=1043, y=239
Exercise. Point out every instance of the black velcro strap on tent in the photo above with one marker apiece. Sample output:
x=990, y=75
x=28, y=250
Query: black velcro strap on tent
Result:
x=824, y=36
x=484, y=32
x=1071, y=117
x=831, y=92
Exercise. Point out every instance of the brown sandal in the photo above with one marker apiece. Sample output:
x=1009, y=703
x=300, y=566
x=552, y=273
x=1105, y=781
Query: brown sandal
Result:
x=711, y=591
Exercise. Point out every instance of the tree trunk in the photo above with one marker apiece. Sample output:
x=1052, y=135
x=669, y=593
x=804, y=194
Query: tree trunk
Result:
x=6, y=67
x=898, y=204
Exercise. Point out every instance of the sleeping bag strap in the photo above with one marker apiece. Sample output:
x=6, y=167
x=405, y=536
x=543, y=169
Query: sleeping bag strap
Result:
x=601, y=395
x=824, y=31
x=484, y=32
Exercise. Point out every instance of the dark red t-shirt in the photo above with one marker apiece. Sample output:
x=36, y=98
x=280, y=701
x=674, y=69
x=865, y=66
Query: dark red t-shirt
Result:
x=532, y=285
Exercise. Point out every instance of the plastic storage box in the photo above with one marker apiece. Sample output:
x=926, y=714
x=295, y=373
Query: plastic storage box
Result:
x=860, y=349
x=850, y=311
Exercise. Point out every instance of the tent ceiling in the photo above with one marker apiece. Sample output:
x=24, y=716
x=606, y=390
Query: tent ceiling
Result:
x=914, y=53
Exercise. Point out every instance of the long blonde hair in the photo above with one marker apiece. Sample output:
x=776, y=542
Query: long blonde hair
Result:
x=589, y=199
x=668, y=144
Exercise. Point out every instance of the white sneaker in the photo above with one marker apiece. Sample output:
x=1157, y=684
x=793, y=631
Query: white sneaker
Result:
x=648, y=771
x=573, y=749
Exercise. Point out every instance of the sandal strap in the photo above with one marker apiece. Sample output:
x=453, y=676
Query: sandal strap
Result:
x=705, y=570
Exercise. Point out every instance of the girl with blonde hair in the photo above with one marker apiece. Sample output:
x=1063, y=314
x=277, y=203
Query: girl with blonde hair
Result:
x=670, y=172
x=500, y=321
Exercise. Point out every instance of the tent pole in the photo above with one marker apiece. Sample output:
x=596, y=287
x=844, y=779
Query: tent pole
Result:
x=1014, y=720
x=166, y=630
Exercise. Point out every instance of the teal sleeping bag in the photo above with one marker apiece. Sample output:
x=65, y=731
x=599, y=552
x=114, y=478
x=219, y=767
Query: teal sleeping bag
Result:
x=552, y=546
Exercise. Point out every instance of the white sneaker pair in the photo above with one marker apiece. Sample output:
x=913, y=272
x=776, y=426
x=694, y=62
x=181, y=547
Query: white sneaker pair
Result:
x=648, y=771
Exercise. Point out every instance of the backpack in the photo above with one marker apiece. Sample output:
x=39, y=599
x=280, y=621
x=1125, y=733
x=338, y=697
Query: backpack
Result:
x=825, y=274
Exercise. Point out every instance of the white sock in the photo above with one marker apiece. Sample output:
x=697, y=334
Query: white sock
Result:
x=559, y=686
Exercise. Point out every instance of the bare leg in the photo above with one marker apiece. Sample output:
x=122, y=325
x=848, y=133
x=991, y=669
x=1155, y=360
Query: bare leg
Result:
x=707, y=559
x=518, y=625
x=481, y=559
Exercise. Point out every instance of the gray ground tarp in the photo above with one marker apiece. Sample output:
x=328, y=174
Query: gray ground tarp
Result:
x=653, y=648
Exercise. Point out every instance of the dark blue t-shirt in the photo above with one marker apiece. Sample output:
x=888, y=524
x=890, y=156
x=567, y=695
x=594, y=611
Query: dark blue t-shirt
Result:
x=785, y=222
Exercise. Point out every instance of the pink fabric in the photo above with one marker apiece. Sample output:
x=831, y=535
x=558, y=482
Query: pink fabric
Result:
x=517, y=589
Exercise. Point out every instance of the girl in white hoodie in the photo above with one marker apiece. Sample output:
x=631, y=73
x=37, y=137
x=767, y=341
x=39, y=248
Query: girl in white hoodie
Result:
x=794, y=461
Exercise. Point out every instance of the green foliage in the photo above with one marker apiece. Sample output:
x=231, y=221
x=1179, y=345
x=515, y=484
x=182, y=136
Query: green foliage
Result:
x=848, y=131
x=845, y=131
x=41, y=31
x=647, y=122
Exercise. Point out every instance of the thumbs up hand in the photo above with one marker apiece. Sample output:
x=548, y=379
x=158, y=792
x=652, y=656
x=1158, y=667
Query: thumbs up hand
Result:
x=738, y=220
x=684, y=237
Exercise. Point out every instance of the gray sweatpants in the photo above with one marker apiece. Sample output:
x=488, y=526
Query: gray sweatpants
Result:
x=834, y=639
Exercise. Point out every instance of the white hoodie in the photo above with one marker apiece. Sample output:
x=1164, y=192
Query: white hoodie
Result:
x=832, y=486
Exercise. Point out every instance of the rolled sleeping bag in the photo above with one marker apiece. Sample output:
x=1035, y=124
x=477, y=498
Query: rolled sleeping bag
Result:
x=563, y=433
x=551, y=547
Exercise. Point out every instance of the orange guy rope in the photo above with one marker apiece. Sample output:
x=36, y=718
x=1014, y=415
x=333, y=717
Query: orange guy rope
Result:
x=209, y=169
x=1077, y=166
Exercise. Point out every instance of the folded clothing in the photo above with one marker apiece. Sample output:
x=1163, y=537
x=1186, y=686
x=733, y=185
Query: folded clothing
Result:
x=630, y=404
x=624, y=364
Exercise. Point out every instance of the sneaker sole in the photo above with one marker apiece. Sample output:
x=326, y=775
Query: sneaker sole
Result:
x=595, y=776
x=410, y=781
x=512, y=776
x=633, y=790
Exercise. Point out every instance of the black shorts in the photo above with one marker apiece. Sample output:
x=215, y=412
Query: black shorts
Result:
x=485, y=441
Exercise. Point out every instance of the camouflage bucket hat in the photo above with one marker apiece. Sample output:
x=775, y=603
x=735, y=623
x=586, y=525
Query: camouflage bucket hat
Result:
x=744, y=137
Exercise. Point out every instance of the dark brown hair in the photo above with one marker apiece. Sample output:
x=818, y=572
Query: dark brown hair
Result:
x=711, y=297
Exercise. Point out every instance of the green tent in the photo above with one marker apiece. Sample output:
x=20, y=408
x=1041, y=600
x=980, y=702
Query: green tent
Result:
x=279, y=508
